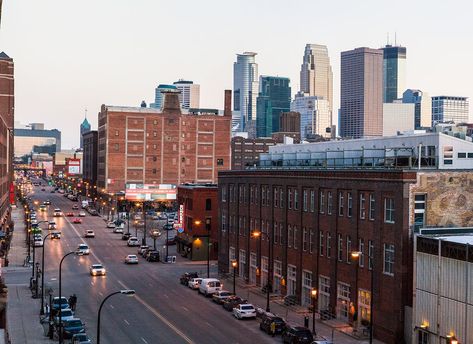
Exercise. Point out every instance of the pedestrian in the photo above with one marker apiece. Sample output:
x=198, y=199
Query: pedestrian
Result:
x=69, y=301
x=74, y=302
x=273, y=328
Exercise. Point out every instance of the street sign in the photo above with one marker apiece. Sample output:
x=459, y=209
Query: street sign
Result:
x=180, y=230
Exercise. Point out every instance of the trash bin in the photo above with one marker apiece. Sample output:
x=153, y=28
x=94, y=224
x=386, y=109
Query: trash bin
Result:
x=306, y=321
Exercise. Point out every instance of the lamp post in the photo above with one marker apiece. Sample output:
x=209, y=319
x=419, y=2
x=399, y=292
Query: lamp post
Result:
x=143, y=241
x=60, y=296
x=34, y=250
x=50, y=329
x=124, y=292
x=234, y=265
x=155, y=235
x=313, y=294
x=41, y=312
x=257, y=235
x=36, y=280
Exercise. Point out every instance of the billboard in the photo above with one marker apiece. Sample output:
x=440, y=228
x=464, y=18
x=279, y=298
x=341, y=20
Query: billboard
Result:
x=73, y=167
x=150, y=192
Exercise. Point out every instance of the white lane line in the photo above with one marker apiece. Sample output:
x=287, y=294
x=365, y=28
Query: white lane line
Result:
x=208, y=324
x=92, y=283
x=185, y=308
x=111, y=306
x=126, y=322
x=160, y=316
x=166, y=296
x=100, y=293
x=144, y=340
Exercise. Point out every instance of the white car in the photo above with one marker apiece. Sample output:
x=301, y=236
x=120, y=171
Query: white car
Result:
x=38, y=242
x=131, y=259
x=82, y=214
x=118, y=230
x=133, y=241
x=66, y=314
x=244, y=310
x=97, y=270
x=52, y=225
x=111, y=224
x=83, y=249
x=57, y=212
x=89, y=233
x=194, y=283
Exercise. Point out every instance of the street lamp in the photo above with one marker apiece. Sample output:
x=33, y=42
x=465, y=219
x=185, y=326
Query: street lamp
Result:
x=258, y=235
x=41, y=312
x=155, y=234
x=234, y=265
x=34, y=250
x=128, y=292
x=313, y=295
x=50, y=329
x=60, y=295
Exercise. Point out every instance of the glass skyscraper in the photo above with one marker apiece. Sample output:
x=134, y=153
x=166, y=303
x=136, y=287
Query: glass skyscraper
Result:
x=394, y=72
x=158, y=96
x=274, y=97
x=450, y=109
x=316, y=115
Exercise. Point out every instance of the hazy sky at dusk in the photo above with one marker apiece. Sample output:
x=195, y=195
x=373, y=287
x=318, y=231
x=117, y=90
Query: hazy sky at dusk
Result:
x=72, y=55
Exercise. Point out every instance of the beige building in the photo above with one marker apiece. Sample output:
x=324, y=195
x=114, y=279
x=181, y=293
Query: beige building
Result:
x=398, y=117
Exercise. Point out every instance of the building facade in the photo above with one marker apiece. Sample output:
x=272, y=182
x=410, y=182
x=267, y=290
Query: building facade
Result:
x=245, y=91
x=450, y=109
x=190, y=94
x=394, y=72
x=423, y=107
x=27, y=138
x=84, y=128
x=316, y=73
x=89, y=165
x=398, y=117
x=274, y=98
x=315, y=115
x=361, y=102
x=158, y=95
x=245, y=152
x=151, y=146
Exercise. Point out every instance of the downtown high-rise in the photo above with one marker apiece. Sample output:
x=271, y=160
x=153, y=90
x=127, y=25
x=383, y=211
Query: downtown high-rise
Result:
x=394, y=72
x=361, y=93
x=190, y=94
x=245, y=88
x=450, y=109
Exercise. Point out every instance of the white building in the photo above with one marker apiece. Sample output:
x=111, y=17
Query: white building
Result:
x=423, y=107
x=450, y=109
x=398, y=117
x=315, y=113
x=190, y=94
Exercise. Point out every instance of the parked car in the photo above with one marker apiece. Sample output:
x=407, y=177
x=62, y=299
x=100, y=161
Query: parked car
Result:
x=126, y=236
x=231, y=302
x=89, y=233
x=83, y=249
x=82, y=213
x=267, y=319
x=97, y=270
x=244, y=311
x=153, y=256
x=72, y=327
x=209, y=286
x=110, y=224
x=131, y=259
x=184, y=279
x=220, y=296
x=194, y=283
x=133, y=241
x=142, y=249
x=55, y=235
x=77, y=220
x=38, y=242
x=64, y=303
x=297, y=334
x=80, y=338
x=66, y=314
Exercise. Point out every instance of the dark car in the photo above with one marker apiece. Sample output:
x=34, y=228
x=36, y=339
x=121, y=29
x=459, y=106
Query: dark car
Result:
x=153, y=256
x=148, y=253
x=187, y=276
x=297, y=335
x=232, y=302
x=267, y=319
x=93, y=212
x=126, y=236
x=80, y=338
x=72, y=327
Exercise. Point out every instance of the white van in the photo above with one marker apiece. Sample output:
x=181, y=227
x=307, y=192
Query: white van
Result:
x=209, y=286
x=84, y=204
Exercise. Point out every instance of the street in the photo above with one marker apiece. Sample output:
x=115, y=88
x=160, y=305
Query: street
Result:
x=162, y=311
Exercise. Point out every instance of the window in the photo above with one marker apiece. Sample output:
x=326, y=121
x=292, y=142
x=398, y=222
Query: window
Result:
x=340, y=247
x=296, y=199
x=388, y=259
x=350, y=204
x=224, y=194
x=276, y=198
x=321, y=243
x=252, y=192
x=219, y=162
x=372, y=207
x=311, y=240
x=364, y=302
x=281, y=238
x=370, y=254
x=155, y=146
x=281, y=198
x=295, y=237
x=155, y=158
x=424, y=337
x=312, y=201
x=276, y=234
x=340, y=203
x=470, y=155
x=154, y=171
x=322, y=202
x=224, y=222
x=208, y=204
x=304, y=200
x=362, y=206
x=116, y=132
x=305, y=242
x=389, y=210
x=263, y=196
x=361, y=249
x=348, y=249
x=329, y=203
x=461, y=155
x=289, y=199
x=116, y=146
x=329, y=245
x=231, y=256
x=324, y=293
x=155, y=134
x=419, y=211
x=306, y=287
x=290, y=237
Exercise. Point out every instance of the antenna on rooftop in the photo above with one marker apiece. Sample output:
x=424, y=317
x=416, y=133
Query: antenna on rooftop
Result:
x=86, y=113
x=387, y=38
x=395, y=39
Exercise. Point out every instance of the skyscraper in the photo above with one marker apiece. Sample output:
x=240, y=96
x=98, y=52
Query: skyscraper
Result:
x=273, y=99
x=394, y=72
x=450, y=109
x=316, y=73
x=361, y=98
x=423, y=107
x=84, y=128
x=190, y=94
x=245, y=88
x=315, y=115
x=158, y=96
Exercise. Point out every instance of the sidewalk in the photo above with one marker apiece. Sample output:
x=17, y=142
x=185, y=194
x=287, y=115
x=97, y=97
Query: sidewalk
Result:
x=292, y=314
x=22, y=314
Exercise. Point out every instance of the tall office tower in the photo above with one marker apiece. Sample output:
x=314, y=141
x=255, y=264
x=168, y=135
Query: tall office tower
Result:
x=273, y=99
x=361, y=98
x=84, y=128
x=394, y=72
x=316, y=73
x=315, y=113
x=190, y=94
x=423, y=107
x=158, y=95
x=450, y=109
x=245, y=88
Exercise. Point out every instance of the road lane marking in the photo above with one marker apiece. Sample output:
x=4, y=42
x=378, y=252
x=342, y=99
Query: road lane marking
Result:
x=111, y=306
x=126, y=322
x=185, y=308
x=160, y=316
x=144, y=340
x=100, y=293
x=208, y=324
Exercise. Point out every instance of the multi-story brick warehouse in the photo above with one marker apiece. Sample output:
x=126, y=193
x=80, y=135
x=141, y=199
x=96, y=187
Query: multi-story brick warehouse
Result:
x=153, y=146
x=311, y=221
x=6, y=137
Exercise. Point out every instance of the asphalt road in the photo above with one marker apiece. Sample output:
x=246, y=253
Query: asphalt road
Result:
x=162, y=311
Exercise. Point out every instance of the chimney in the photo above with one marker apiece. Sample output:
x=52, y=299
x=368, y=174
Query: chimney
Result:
x=171, y=102
x=227, y=110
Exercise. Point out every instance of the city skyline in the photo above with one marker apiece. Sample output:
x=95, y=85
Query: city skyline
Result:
x=69, y=56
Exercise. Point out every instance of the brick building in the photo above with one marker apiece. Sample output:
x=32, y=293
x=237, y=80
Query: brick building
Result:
x=153, y=146
x=89, y=159
x=245, y=152
x=198, y=213
x=7, y=100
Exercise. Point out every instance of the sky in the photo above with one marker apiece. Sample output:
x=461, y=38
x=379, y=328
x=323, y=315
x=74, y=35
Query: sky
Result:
x=75, y=55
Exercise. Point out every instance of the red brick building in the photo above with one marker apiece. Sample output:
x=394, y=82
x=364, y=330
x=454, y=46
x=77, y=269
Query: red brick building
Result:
x=150, y=146
x=7, y=103
x=245, y=152
x=311, y=221
x=198, y=213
